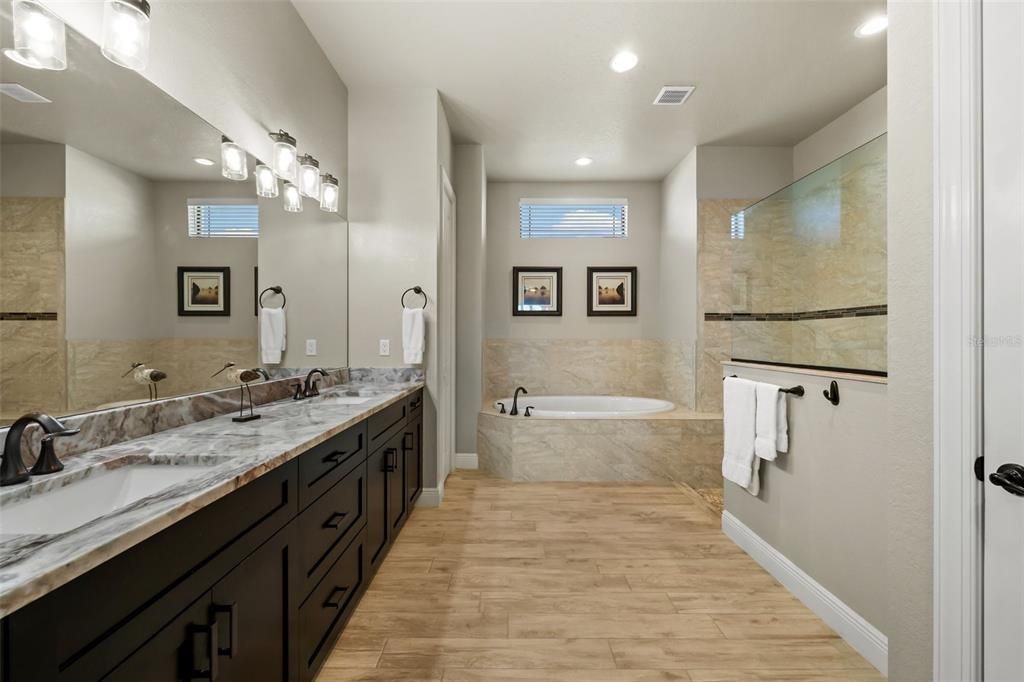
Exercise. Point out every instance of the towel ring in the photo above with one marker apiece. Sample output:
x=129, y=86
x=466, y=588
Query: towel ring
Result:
x=415, y=290
x=276, y=290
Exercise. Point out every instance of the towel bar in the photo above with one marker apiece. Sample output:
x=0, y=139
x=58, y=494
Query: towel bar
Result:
x=798, y=391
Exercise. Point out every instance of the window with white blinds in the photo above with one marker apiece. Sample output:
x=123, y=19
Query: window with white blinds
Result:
x=573, y=218
x=223, y=218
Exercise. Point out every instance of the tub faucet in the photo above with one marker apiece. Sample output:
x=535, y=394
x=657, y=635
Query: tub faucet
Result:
x=515, y=400
x=13, y=468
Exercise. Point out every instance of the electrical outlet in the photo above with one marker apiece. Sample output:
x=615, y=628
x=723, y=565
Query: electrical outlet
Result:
x=310, y=346
x=385, y=347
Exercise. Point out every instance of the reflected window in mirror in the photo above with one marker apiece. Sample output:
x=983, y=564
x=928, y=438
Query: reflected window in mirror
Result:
x=223, y=218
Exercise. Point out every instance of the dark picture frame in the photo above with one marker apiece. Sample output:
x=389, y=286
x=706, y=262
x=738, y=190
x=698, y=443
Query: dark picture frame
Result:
x=628, y=291
x=192, y=292
x=549, y=278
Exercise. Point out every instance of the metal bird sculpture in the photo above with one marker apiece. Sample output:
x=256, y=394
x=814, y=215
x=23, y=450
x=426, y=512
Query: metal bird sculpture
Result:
x=146, y=376
x=243, y=377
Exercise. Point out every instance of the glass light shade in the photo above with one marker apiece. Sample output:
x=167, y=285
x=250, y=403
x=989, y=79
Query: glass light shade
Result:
x=329, y=193
x=39, y=37
x=292, y=198
x=285, y=157
x=266, y=181
x=309, y=177
x=126, y=33
x=233, y=163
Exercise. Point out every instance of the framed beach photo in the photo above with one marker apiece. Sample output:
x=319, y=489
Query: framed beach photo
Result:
x=204, y=291
x=611, y=291
x=536, y=291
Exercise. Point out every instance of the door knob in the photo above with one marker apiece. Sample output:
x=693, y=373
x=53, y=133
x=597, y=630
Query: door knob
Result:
x=1009, y=477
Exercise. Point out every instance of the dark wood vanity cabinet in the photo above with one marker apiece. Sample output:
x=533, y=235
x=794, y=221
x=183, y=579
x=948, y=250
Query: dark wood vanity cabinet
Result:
x=256, y=586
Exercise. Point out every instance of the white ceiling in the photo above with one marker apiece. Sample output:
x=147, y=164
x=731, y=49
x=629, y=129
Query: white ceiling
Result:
x=530, y=80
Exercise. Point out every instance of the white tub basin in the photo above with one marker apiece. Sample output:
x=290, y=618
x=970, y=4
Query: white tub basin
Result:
x=588, y=406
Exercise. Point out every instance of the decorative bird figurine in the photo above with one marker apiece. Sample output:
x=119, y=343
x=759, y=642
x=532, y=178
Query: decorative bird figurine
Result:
x=243, y=377
x=146, y=376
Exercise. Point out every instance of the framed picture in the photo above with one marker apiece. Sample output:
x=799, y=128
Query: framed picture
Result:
x=611, y=291
x=536, y=291
x=204, y=291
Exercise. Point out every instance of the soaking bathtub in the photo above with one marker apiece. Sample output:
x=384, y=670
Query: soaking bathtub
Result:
x=587, y=406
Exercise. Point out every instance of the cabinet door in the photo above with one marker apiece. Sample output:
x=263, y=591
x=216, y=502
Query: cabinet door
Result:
x=398, y=503
x=412, y=449
x=377, y=522
x=182, y=650
x=254, y=611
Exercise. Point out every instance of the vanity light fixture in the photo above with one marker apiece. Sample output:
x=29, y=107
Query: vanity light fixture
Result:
x=266, y=181
x=126, y=33
x=329, y=193
x=584, y=161
x=309, y=177
x=292, y=198
x=872, y=26
x=284, y=159
x=203, y=161
x=624, y=61
x=39, y=37
x=233, y=163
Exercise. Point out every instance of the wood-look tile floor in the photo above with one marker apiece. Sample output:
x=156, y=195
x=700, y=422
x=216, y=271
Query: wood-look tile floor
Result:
x=580, y=582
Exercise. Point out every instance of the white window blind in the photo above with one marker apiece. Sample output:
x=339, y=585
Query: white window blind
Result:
x=223, y=218
x=573, y=218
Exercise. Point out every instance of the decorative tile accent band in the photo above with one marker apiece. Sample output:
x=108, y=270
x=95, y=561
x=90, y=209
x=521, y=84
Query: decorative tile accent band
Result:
x=834, y=313
x=27, y=317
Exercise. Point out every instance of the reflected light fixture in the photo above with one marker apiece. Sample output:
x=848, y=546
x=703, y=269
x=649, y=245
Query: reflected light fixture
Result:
x=292, y=198
x=126, y=33
x=872, y=26
x=624, y=61
x=233, y=163
x=39, y=37
x=266, y=181
x=584, y=161
x=309, y=177
x=203, y=161
x=284, y=159
x=329, y=193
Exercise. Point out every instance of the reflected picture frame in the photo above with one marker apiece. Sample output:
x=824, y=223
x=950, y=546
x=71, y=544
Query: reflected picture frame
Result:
x=204, y=291
x=536, y=291
x=612, y=291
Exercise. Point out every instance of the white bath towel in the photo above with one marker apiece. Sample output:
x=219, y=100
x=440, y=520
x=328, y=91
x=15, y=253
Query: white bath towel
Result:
x=413, y=331
x=771, y=428
x=273, y=335
x=739, y=463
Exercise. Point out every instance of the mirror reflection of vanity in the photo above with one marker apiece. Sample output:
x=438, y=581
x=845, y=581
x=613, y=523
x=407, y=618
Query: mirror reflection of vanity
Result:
x=128, y=263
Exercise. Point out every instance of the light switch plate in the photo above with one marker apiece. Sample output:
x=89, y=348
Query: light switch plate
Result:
x=385, y=347
x=310, y=346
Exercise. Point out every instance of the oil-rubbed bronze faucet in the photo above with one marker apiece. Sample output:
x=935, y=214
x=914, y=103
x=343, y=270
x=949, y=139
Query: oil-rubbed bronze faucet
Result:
x=309, y=387
x=12, y=468
x=515, y=400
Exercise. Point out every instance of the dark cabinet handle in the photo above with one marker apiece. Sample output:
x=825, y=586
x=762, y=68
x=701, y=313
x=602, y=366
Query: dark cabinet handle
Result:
x=415, y=403
x=1010, y=477
x=231, y=611
x=334, y=520
x=336, y=594
x=335, y=457
x=204, y=665
x=391, y=460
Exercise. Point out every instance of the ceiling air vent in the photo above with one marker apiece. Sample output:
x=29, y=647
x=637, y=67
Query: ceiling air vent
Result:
x=673, y=95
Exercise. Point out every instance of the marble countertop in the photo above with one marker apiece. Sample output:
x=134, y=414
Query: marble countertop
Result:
x=236, y=453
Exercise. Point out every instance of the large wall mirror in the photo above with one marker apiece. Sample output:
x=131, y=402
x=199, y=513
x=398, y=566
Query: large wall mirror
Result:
x=122, y=243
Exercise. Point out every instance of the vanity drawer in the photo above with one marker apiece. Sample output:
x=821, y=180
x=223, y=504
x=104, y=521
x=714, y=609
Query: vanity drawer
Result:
x=328, y=525
x=415, y=404
x=327, y=463
x=386, y=423
x=325, y=611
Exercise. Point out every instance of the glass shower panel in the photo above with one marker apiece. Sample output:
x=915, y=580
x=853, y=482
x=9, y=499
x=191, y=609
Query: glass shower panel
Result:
x=809, y=269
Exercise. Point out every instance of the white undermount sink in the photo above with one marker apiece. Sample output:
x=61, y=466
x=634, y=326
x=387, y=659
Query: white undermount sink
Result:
x=100, y=492
x=345, y=399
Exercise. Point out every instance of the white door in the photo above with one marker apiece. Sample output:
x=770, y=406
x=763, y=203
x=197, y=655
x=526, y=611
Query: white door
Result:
x=1003, y=130
x=446, y=335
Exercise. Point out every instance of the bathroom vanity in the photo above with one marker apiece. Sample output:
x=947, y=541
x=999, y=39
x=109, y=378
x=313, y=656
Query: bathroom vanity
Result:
x=247, y=571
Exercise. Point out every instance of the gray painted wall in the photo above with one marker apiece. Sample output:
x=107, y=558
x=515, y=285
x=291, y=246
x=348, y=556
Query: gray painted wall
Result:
x=742, y=172
x=32, y=170
x=908, y=476
x=861, y=124
x=678, y=251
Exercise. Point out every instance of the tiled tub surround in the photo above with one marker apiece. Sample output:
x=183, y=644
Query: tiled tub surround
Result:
x=680, y=446
x=34, y=565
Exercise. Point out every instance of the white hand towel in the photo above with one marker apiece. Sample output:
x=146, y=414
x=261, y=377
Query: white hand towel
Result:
x=770, y=400
x=739, y=464
x=782, y=425
x=413, y=330
x=273, y=335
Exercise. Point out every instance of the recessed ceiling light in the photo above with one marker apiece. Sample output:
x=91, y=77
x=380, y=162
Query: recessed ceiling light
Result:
x=624, y=61
x=202, y=161
x=872, y=26
x=584, y=161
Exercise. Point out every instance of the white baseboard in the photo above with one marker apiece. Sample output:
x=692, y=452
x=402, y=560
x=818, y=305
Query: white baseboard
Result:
x=858, y=633
x=466, y=460
x=430, y=497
